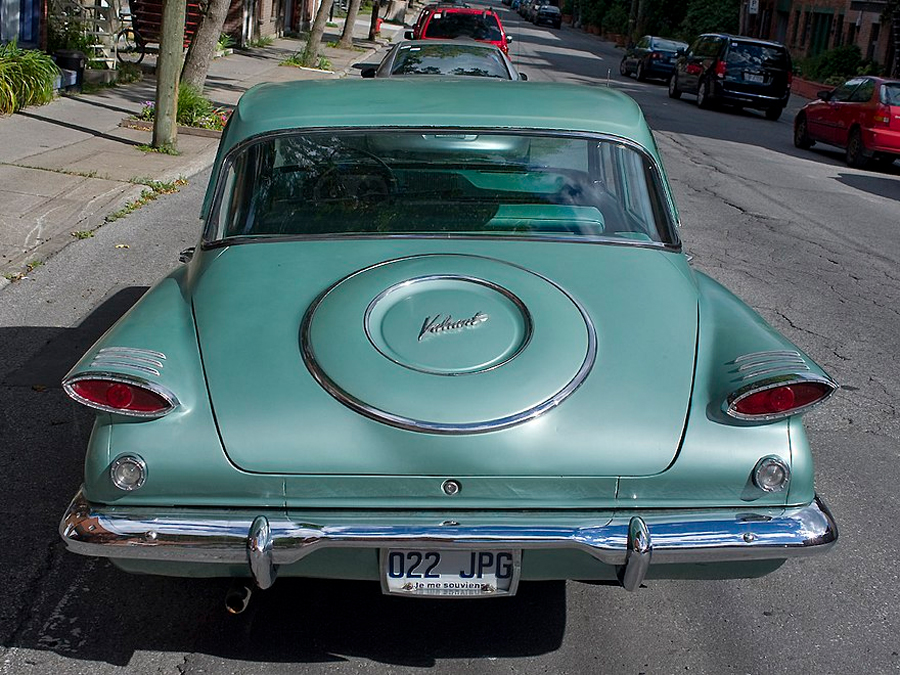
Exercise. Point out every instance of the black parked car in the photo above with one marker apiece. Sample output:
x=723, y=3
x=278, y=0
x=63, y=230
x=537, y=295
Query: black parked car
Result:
x=548, y=14
x=741, y=71
x=651, y=57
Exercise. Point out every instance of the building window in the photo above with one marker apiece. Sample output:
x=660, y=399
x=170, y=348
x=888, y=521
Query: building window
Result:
x=839, y=31
x=796, y=27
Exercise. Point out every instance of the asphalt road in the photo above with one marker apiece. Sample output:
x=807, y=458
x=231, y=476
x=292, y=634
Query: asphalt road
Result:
x=808, y=242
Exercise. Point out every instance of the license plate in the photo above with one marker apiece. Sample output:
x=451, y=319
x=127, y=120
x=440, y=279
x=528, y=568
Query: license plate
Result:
x=475, y=573
x=757, y=79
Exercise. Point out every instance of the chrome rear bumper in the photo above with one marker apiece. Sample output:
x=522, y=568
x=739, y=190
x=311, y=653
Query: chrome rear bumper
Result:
x=625, y=539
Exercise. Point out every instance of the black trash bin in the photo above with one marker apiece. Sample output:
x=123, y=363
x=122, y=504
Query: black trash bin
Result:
x=74, y=61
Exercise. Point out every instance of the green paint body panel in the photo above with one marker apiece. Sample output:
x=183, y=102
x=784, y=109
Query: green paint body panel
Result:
x=642, y=302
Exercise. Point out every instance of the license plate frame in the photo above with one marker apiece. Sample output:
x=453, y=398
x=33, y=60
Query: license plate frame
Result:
x=444, y=582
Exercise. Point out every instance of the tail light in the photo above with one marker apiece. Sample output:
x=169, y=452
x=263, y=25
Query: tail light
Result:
x=120, y=394
x=720, y=68
x=769, y=400
x=883, y=115
x=655, y=55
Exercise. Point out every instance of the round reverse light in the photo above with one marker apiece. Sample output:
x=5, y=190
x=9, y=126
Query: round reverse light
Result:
x=128, y=472
x=771, y=474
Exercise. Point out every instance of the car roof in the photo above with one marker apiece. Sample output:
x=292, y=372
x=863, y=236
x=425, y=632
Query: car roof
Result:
x=745, y=38
x=439, y=103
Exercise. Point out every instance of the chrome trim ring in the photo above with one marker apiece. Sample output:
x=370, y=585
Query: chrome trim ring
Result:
x=777, y=461
x=424, y=426
x=132, y=380
x=773, y=383
x=138, y=461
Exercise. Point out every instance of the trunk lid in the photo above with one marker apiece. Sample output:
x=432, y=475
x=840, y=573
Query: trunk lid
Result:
x=374, y=359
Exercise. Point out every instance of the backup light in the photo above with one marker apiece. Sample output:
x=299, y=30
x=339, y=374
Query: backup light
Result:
x=771, y=474
x=128, y=472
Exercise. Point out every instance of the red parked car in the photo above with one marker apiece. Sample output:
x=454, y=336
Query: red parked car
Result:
x=444, y=22
x=862, y=116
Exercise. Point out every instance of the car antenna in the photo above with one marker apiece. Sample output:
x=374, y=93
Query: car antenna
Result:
x=608, y=71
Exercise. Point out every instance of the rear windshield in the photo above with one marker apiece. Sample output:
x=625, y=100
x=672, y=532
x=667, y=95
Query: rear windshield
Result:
x=463, y=24
x=383, y=182
x=450, y=60
x=751, y=54
x=668, y=45
x=890, y=93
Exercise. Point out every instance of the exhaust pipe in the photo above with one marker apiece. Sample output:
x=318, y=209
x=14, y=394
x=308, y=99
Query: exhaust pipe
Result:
x=238, y=596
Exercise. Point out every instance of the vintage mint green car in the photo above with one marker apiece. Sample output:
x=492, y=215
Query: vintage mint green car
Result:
x=442, y=335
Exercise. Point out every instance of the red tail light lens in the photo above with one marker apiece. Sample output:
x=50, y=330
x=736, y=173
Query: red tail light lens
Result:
x=720, y=68
x=883, y=115
x=779, y=401
x=127, y=398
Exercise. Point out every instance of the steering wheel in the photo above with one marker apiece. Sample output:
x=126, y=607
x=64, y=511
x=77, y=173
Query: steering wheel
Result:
x=352, y=182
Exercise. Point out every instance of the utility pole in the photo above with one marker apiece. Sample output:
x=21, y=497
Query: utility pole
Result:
x=168, y=72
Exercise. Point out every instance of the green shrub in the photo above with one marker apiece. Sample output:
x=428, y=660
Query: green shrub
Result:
x=194, y=110
x=26, y=78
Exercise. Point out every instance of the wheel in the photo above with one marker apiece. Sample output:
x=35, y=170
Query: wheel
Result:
x=129, y=48
x=801, y=134
x=674, y=91
x=773, y=114
x=857, y=156
x=623, y=70
x=640, y=74
x=704, y=100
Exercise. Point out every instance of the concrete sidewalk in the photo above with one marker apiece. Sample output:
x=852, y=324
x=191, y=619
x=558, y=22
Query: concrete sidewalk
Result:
x=66, y=166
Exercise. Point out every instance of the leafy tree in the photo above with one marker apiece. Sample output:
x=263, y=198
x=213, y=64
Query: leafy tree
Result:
x=707, y=16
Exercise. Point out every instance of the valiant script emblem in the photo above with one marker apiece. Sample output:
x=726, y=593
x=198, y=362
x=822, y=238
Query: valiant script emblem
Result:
x=435, y=326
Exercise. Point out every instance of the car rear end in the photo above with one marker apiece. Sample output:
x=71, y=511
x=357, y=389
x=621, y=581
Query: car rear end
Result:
x=661, y=59
x=754, y=74
x=883, y=135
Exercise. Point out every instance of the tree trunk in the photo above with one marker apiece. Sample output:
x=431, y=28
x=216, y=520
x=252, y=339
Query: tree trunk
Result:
x=168, y=68
x=310, y=57
x=373, y=25
x=346, y=41
x=203, y=46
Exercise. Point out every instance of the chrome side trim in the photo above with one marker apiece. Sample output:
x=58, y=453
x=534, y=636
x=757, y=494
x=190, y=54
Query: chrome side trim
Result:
x=134, y=381
x=425, y=426
x=111, y=362
x=629, y=537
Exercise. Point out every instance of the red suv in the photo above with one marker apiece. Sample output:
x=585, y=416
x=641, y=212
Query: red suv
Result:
x=447, y=22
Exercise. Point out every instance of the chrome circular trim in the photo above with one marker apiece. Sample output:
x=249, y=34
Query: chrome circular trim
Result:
x=767, y=461
x=509, y=295
x=772, y=383
x=451, y=487
x=423, y=426
x=135, y=459
x=134, y=381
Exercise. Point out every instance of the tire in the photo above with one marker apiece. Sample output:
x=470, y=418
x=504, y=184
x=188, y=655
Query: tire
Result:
x=857, y=156
x=129, y=49
x=639, y=73
x=801, y=134
x=623, y=69
x=674, y=91
x=772, y=114
x=704, y=100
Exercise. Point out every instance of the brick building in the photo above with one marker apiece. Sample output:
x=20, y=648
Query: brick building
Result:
x=810, y=27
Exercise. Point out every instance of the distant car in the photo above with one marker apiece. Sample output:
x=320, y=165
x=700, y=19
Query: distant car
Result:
x=445, y=341
x=651, y=57
x=739, y=71
x=528, y=8
x=862, y=116
x=446, y=22
x=547, y=14
x=447, y=58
